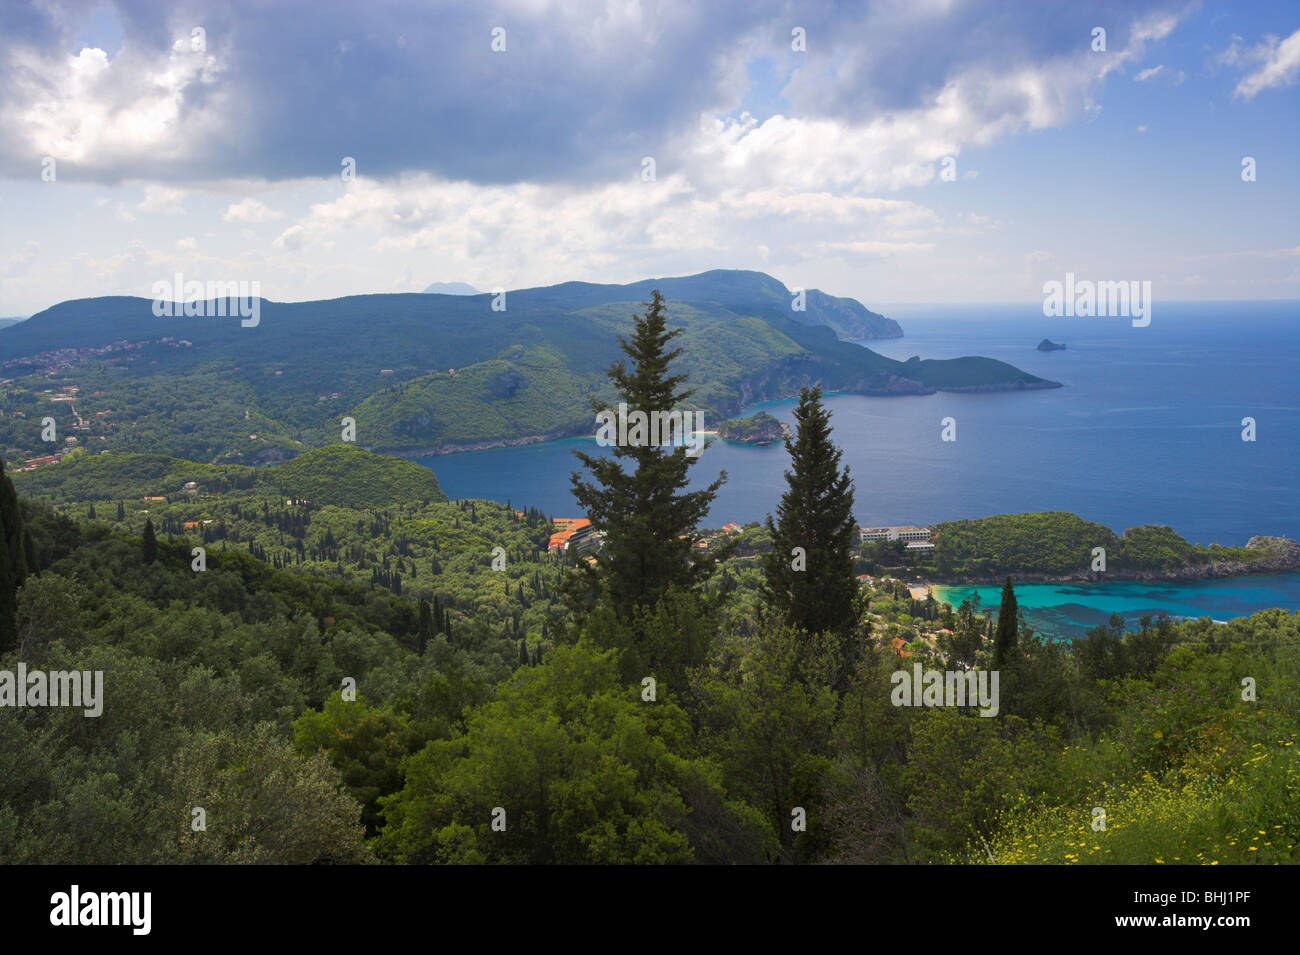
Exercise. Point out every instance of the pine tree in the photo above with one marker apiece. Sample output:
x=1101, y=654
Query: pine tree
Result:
x=1004, y=645
x=814, y=589
x=150, y=549
x=645, y=513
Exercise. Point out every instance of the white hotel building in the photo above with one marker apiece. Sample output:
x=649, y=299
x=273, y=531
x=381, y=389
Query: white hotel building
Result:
x=917, y=538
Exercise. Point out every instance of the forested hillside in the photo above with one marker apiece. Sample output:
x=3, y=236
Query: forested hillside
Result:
x=224, y=691
x=1058, y=543
x=424, y=372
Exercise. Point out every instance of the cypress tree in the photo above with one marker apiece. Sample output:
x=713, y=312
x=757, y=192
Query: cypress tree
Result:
x=12, y=520
x=150, y=548
x=523, y=653
x=1008, y=627
x=121, y=511
x=645, y=512
x=425, y=630
x=13, y=559
x=817, y=590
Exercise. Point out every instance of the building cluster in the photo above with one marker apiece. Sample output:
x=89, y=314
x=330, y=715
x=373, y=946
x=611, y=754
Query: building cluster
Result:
x=917, y=538
x=63, y=359
x=574, y=533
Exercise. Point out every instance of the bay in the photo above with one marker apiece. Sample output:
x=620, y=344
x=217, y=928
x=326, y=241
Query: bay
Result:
x=1147, y=429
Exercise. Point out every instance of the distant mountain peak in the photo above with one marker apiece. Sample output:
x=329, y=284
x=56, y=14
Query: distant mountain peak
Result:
x=451, y=288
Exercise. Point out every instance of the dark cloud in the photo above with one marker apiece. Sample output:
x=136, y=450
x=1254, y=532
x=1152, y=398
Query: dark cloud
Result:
x=582, y=92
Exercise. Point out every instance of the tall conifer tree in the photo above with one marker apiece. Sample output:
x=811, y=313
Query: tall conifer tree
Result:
x=150, y=546
x=13, y=559
x=1004, y=645
x=638, y=497
x=808, y=575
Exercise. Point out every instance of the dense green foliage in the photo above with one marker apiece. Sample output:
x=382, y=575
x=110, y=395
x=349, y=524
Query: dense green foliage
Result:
x=222, y=691
x=346, y=476
x=340, y=475
x=1059, y=543
x=16, y=558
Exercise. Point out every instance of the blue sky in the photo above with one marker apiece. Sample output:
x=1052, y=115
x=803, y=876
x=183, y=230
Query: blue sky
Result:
x=221, y=159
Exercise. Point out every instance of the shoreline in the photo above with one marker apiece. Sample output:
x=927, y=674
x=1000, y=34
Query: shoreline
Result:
x=1101, y=579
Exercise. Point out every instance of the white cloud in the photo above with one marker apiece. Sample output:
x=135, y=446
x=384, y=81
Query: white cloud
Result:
x=162, y=200
x=1147, y=74
x=1279, y=64
x=88, y=108
x=18, y=263
x=249, y=210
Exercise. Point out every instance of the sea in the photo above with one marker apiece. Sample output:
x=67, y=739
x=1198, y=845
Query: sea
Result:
x=1148, y=428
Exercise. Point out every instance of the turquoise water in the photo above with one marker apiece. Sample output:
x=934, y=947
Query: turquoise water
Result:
x=1069, y=610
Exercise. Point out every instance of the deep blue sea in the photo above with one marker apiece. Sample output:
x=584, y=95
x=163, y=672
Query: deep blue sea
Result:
x=1146, y=430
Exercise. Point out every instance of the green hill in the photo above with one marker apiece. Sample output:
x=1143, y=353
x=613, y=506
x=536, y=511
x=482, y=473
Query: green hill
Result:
x=209, y=389
x=761, y=428
x=1057, y=543
x=339, y=475
x=346, y=476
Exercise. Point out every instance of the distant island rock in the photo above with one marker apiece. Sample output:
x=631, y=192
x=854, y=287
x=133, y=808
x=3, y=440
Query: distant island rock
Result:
x=451, y=288
x=1049, y=345
x=761, y=429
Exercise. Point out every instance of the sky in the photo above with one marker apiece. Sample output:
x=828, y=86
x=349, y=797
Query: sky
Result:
x=913, y=151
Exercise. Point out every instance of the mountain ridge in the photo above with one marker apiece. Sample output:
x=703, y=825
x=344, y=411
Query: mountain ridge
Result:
x=433, y=371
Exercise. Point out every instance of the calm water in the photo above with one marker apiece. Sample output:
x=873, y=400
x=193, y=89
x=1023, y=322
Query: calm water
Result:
x=1147, y=430
x=1070, y=610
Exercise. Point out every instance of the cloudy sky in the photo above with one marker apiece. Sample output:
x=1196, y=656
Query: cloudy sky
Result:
x=913, y=151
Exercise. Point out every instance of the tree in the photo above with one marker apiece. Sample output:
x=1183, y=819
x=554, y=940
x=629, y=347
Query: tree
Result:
x=967, y=637
x=150, y=548
x=425, y=629
x=646, y=514
x=1004, y=644
x=15, y=547
x=808, y=575
x=585, y=771
x=769, y=722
